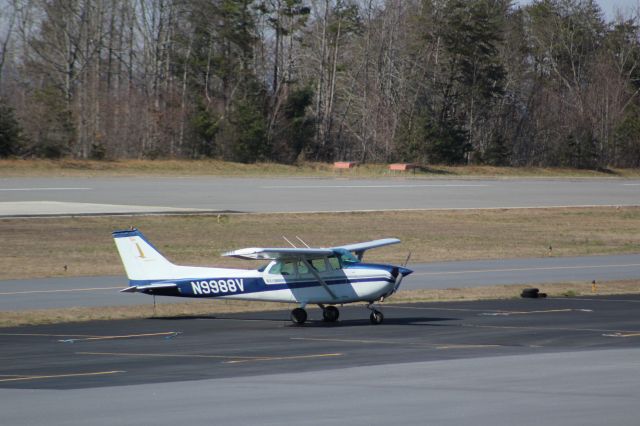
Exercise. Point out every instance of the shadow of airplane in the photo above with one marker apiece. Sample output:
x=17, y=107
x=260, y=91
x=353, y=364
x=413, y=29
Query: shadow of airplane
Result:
x=415, y=321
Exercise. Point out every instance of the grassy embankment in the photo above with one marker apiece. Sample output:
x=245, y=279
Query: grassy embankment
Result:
x=82, y=168
x=41, y=247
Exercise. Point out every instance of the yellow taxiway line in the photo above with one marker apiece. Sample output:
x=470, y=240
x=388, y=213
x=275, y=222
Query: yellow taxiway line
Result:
x=230, y=359
x=548, y=311
x=60, y=376
x=87, y=337
x=440, y=346
x=126, y=336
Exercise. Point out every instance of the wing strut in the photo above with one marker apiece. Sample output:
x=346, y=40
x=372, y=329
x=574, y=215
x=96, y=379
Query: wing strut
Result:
x=319, y=278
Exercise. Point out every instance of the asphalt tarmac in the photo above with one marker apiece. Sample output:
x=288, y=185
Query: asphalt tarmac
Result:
x=48, y=293
x=525, y=362
x=145, y=195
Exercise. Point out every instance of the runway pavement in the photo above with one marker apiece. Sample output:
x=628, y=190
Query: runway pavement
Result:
x=48, y=293
x=144, y=195
x=525, y=362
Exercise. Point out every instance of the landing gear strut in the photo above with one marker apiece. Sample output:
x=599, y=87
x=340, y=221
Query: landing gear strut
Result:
x=330, y=313
x=376, y=316
x=298, y=316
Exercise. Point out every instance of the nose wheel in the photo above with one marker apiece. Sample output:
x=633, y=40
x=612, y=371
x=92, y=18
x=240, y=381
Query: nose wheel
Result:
x=376, y=316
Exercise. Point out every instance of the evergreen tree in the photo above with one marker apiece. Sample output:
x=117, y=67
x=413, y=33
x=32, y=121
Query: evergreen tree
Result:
x=10, y=131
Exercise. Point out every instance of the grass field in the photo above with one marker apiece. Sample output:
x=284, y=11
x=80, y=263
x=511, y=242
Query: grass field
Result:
x=83, y=168
x=220, y=307
x=42, y=247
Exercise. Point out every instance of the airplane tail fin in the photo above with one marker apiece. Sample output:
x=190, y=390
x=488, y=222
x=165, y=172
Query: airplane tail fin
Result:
x=141, y=260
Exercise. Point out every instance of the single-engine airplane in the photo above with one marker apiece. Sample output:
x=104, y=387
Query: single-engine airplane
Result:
x=322, y=276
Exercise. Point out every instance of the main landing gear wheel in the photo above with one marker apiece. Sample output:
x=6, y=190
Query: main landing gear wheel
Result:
x=376, y=317
x=330, y=314
x=298, y=316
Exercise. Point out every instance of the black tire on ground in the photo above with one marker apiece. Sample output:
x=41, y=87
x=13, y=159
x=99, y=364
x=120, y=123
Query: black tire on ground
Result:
x=530, y=293
x=376, y=317
x=298, y=316
x=330, y=314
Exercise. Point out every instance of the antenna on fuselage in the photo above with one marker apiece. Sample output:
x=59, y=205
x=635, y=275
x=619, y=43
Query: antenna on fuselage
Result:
x=287, y=240
x=302, y=241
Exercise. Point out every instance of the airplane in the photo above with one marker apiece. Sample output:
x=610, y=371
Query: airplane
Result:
x=320, y=276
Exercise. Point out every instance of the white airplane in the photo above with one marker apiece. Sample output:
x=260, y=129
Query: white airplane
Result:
x=322, y=276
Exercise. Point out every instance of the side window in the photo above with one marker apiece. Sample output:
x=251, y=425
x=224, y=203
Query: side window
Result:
x=288, y=269
x=318, y=265
x=302, y=268
x=283, y=268
x=334, y=263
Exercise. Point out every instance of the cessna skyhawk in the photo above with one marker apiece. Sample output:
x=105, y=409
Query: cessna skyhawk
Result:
x=321, y=276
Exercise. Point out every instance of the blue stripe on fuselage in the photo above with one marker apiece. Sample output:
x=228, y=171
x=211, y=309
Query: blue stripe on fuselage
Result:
x=218, y=287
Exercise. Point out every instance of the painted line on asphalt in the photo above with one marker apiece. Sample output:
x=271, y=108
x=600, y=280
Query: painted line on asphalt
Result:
x=580, y=299
x=440, y=346
x=65, y=290
x=45, y=335
x=61, y=376
x=280, y=358
x=463, y=346
x=46, y=189
x=549, y=311
x=230, y=359
x=419, y=308
x=366, y=341
x=541, y=268
x=622, y=335
x=537, y=328
x=156, y=355
x=126, y=336
x=375, y=186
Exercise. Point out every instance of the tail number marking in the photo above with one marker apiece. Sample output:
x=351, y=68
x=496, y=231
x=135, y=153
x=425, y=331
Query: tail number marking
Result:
x=217, y=286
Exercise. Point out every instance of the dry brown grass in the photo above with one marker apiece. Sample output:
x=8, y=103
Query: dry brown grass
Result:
x=202, y=308
x=41, y=247
x=80, y=168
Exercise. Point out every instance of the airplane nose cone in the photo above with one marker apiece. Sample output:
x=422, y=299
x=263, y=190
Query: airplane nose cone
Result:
x=405, y=271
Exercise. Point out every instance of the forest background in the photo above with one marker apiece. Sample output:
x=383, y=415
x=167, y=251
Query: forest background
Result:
x=547, y=83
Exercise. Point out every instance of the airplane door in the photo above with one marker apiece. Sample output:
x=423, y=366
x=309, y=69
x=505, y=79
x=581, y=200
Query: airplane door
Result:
x=280, y=272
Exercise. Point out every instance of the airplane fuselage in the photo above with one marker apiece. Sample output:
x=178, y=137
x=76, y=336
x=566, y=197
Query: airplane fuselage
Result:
x=356, y=283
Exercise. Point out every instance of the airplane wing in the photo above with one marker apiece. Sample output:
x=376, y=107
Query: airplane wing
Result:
x=362, y=247
x=279, y=253
x=261, y=253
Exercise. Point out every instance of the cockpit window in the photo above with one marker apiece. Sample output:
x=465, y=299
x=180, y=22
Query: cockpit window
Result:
x=346, y=257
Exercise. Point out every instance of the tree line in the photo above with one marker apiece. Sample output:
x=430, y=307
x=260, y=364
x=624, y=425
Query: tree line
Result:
x=549, y=83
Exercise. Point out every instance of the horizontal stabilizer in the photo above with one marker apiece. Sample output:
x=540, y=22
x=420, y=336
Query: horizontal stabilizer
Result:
x=145, y=288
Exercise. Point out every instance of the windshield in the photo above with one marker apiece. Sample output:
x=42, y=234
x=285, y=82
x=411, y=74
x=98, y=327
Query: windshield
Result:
x=346, y=257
